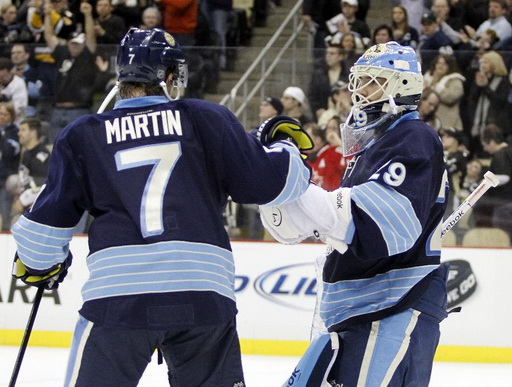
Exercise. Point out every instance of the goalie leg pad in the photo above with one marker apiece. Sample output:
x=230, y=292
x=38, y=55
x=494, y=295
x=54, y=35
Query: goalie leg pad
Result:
x=314, y=366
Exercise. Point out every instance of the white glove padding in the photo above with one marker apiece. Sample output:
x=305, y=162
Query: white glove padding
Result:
x=28, y=197
x=325, y=215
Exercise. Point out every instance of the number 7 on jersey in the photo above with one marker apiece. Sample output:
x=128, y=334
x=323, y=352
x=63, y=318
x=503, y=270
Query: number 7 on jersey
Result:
x=163, y=157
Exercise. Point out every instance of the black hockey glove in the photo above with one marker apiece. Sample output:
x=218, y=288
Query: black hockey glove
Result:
x=284, y=128
x=50, y=279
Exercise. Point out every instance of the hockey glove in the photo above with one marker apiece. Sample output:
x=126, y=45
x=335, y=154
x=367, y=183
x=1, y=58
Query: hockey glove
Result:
x=50, y=279
x=284, y=128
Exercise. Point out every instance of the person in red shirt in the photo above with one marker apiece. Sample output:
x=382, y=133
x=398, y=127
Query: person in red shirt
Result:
x=180, y=19
x=326, y=161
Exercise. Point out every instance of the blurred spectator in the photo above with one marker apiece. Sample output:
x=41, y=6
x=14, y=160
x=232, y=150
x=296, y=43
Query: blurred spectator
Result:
x=497, y=21
x=9, y=159
x=382, y=34
x=429, y=103
x=449, y=22
x=33, y=170
x=62, y=20
x=432, y=39
x=217, y=13
x=346, y=22
x=20, y=58
x=315, y=15
x=333, y=132
x=403, y=32
x=488, y=98
x=351, y=47
x=340, y=105
x=77, y=72
x=415, y=10
x=456, y=159
x=295, y=104
x=151, y=18
x=326, y=73
x=326, y=161
x=469, y=51
x=444, y=77
x=494, y=209
x=363, y=6
x=472, y=178
x=109, y=28
x=130, y=11
x=270, y=107
x=474, y=12
x=11, y=29
x=13, y=88
x=180, y=19
x=64, y=24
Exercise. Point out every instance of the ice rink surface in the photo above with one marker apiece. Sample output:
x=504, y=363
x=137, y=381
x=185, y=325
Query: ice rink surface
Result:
x=44, y=367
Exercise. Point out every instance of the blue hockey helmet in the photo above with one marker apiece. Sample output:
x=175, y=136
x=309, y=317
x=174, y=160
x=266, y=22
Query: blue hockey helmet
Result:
x=148, y=56
x=393, y=74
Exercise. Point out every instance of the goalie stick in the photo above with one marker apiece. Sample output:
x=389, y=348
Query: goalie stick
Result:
x=317, y=361
x=490, y=180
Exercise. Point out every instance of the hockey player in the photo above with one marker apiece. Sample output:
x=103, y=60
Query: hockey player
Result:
x=384, y=290
x=155, y=174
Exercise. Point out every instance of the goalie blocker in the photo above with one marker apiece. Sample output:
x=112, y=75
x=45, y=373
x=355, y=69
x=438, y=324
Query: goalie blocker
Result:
x=317, y=213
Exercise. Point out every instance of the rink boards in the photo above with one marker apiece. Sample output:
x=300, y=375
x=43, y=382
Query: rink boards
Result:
x=275, y=289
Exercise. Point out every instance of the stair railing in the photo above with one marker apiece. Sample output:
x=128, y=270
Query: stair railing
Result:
x=241, y=92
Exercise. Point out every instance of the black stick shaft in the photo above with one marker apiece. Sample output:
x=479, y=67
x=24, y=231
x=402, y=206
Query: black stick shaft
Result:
x=26, y=336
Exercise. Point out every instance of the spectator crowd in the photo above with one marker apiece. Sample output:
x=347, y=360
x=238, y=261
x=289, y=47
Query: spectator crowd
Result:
x=465, y=48
x=56, y=60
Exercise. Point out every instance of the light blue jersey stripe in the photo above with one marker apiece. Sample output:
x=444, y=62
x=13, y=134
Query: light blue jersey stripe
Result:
x=39, y=246
x=392, y=212
x=80, y=336
x=345, y=299
x=297, y=180
x=385, y=350
x=158, y=268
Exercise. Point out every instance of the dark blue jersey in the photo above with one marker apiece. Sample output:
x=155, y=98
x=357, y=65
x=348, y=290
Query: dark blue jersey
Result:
x=398, y=200
x=155, y=175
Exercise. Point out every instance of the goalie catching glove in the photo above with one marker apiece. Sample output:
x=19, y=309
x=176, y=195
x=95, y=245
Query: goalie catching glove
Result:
x=50, y=278
x=284, y=128
x=319, y=213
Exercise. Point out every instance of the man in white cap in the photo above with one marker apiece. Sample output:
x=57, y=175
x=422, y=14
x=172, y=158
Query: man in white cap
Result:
x=295, y=104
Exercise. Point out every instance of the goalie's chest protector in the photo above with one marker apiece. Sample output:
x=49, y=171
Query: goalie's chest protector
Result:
x=406, y=165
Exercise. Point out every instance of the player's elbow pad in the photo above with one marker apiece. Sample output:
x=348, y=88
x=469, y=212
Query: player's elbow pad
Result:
x=317, y=213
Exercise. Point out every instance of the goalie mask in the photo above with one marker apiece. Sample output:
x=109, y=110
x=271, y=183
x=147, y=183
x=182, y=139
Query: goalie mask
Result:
x=385, y=82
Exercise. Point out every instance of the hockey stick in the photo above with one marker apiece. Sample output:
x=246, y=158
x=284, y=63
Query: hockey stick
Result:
x=26, y=335
x=490, y=180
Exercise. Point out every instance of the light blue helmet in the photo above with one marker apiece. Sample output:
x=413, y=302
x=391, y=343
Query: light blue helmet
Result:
x=396, y=72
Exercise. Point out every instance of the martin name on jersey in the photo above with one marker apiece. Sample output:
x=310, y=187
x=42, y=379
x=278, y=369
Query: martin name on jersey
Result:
x=145, y=124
